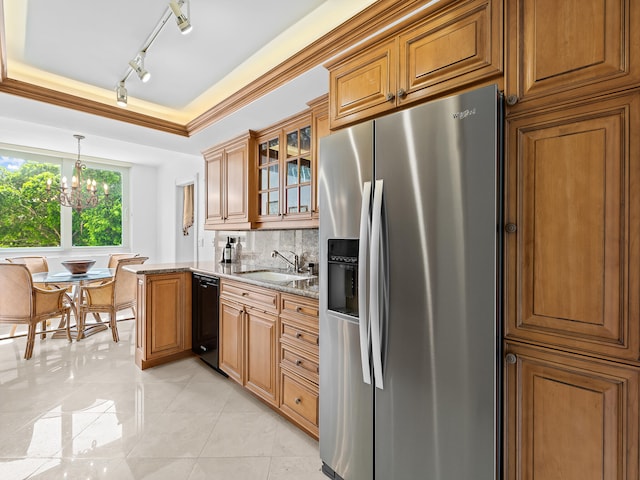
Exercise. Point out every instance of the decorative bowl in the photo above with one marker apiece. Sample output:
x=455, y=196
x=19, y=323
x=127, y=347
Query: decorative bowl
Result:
x=78, y=267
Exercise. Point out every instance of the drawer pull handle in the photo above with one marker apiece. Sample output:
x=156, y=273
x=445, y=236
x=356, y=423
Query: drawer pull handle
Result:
x=298, y=401
x=298, y=309
x=298, y=362
x=244, y=294
x=298, y=335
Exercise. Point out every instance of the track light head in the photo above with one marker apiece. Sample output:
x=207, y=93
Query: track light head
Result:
x=121, y=94
x=137, y=64
x=183, y=22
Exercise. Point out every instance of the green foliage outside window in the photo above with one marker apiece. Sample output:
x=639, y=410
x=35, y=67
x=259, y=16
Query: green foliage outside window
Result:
x=30, y=217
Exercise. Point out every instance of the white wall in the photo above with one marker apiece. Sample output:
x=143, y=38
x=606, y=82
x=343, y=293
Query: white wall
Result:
x=152, y=182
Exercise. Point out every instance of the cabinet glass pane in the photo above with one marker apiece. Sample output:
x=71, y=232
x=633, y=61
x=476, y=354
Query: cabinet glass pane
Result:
x=292, y=200
x=274, y=204
x=305, y=198
x=305, y=140
x=264, y=158
x=292, y=172
x=292, y=144
x=274, y=178
x=263, y=203
x=305, y=170
x=274, y=150
x=264, y=179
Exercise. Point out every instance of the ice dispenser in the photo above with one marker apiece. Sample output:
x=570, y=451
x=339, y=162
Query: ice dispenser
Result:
x=343, y=276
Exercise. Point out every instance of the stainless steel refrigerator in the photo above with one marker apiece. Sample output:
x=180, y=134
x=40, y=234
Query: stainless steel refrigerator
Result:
x=409, y=296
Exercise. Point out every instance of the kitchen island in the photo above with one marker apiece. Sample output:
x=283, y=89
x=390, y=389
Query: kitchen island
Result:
x=268, y=334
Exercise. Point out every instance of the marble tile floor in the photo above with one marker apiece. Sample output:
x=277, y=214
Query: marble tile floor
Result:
x=85, y=411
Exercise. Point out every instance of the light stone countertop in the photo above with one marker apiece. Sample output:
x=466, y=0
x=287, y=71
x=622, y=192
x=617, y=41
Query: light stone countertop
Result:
x=306, y=287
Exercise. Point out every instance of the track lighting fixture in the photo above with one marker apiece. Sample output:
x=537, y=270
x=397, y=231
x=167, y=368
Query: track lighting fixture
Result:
x=137, y=64
x=183, y=22
x=121, y=94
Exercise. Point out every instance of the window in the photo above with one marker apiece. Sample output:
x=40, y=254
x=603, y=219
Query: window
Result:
x=32, y=217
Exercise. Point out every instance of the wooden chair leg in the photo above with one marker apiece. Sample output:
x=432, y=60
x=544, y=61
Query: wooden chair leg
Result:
x=43, y=334
x=13, y=330
x=80, y=324
x=68, y=326
x=114, y=326
x=31, y=337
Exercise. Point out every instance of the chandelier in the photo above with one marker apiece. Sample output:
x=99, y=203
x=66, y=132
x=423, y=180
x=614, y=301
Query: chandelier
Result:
x=78, y=195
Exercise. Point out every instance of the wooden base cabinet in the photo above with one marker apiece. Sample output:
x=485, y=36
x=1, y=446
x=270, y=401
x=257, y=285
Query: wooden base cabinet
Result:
x=163, y=322
x=231, y=349
x=249, y=337
x=569, y=417
x=269, y=344
x=261, y=355
x=299, y=361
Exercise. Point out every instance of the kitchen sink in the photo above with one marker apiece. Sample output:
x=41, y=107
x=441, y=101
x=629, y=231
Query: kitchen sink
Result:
x=271, y=276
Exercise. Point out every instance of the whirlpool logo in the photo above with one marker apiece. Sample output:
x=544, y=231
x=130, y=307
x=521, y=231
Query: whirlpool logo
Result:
x=464, y=114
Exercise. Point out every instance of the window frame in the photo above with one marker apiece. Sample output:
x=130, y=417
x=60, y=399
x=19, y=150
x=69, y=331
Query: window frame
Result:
x=67, y=162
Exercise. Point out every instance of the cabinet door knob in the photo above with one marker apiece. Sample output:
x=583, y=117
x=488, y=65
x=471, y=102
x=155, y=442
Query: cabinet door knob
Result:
x=390, y=96
x=298, y=401
x=510, y=358
x=298, y=335
x=512, y=100
x=298, y=309
x=402, y=93
x=298, y=362
x=510, y=228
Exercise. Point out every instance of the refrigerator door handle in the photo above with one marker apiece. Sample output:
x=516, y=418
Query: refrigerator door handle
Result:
x=363, y=263
x=374, y=288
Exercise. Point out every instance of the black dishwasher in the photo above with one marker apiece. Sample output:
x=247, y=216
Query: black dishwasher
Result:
x=205, y=318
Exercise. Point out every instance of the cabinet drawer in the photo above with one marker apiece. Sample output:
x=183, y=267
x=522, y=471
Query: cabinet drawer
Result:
x=260, y=298
x=306, y=307
x=299, y=336
x=297, y=361
x=299, y=399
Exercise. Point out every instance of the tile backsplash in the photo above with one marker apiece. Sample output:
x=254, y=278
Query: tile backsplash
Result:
x=254, y=247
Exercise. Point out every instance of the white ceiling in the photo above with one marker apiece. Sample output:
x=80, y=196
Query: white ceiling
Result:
x=83, y=47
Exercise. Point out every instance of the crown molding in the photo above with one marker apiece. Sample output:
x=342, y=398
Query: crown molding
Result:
x=35, y=92
x=360, y=27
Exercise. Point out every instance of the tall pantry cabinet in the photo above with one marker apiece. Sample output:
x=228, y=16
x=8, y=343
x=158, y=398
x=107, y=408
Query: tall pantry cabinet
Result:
x=572, y=239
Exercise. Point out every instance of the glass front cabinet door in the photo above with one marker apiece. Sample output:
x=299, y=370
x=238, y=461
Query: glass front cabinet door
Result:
x=285, y=174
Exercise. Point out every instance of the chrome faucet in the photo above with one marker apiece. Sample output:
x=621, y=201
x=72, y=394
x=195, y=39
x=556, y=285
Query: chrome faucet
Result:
x=296, y=261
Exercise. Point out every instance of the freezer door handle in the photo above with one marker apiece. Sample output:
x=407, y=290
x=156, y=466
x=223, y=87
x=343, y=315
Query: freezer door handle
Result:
x=374, y=288
x=363, y=264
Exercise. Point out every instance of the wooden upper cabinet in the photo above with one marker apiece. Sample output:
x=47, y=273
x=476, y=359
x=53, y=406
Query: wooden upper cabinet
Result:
x=569, y=417
x=455, y=48
x=319, y=128
x=228, y=182
x=286, y=169
x=365, y=85
x=560, y=51
x=458, y=46
x=573, y=207
x=214, y=178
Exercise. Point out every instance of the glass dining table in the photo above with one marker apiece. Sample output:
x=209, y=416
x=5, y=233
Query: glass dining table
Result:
x=65, y=279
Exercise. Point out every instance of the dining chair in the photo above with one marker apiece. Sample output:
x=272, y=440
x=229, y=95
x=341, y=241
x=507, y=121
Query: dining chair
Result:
x=35, y=264
x=111, y=297
x=114, y=258
x=23, y=303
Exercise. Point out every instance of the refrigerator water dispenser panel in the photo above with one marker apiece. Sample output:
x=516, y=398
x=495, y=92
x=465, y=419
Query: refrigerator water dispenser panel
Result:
x=342, y=267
